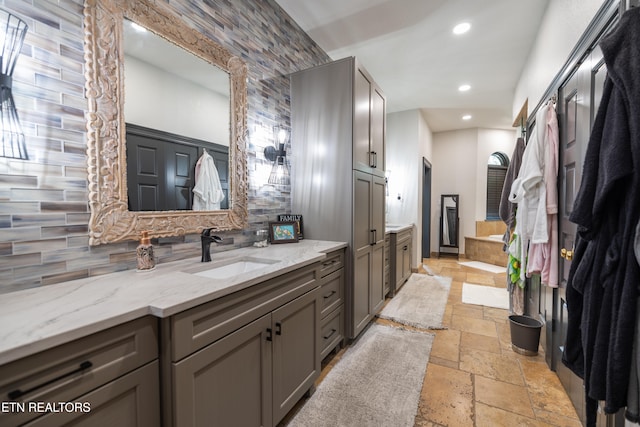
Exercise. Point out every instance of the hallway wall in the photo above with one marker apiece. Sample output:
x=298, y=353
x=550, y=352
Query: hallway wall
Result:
x=563, y=24
x=460, y=167
x=409, y=139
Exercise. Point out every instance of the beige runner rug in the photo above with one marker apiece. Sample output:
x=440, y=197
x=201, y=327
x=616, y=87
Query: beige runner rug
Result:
x=376, y=383
x=420, y=302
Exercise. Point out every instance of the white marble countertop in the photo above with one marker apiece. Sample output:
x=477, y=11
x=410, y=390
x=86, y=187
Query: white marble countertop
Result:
x=40, y=318
x=397, y=228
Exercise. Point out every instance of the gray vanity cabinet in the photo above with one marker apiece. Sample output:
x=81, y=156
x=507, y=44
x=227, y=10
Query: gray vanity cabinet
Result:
x=332, y=309
x=400, y=259
x=369, y=122
x=337, y=167
x=296, y=351
x=228, y=382
x=247, y=358
x=368, y=242
x=110, y=378
x=387, y=263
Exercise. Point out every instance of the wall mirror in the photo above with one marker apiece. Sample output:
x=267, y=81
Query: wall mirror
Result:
x=449, y=222
x=113, y=46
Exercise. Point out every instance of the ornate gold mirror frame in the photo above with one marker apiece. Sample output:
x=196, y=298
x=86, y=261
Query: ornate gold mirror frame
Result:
x=111, y=220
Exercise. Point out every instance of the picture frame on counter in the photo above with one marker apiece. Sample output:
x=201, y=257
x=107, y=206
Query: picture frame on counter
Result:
x=283, y=232
x=297, y=218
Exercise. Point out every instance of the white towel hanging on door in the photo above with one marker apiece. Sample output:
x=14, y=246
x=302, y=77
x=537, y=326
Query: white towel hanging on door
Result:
x=207, y=192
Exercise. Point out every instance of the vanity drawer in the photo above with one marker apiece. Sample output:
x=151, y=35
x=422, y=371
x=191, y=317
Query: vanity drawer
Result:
x=403, y=237
x=331, y=331
x=333, y=262
x=68, y=371
x=331, y=292
x=200, y=326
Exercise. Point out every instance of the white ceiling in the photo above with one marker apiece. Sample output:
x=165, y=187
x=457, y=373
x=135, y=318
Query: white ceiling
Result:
x=410, y=50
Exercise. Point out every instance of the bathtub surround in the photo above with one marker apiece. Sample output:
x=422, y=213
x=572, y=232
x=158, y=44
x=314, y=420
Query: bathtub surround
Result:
x=495, y=269
x=486, y=249
x=43, y=224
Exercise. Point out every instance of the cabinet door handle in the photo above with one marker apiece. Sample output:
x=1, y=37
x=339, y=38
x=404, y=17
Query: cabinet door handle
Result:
x=329, y=263
x=329, y=295
x=326, y=337
x=269, y=334
x=374, y=234
x=372, y=163
x=15, y=394
x=405, y=248
x=278, y=328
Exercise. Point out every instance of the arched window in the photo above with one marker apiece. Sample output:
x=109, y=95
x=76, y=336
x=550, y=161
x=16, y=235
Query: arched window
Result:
x=496, y=172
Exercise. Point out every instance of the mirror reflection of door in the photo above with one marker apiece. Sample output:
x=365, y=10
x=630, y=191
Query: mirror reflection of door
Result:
x=161, y=169
x=176, y=105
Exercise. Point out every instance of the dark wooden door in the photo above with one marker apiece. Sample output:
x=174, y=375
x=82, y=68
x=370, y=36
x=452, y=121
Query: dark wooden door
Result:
x=145, y=177
x=160, y=174
x=221, y=160
x=179, y=175
x=578, y=98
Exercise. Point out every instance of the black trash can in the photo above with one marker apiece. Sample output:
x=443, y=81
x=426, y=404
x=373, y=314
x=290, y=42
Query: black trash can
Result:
x=525, y=334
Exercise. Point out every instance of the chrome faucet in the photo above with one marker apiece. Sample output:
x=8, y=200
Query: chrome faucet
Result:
x=207, y=239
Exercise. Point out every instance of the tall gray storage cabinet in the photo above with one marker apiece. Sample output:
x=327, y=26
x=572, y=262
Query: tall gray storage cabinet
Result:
x=338, y=150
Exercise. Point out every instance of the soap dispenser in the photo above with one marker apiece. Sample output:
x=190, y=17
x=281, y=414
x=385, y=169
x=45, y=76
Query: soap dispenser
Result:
x=144, y=253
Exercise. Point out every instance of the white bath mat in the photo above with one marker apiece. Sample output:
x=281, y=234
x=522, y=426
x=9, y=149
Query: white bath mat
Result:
x=484, y=266
x=485, y=295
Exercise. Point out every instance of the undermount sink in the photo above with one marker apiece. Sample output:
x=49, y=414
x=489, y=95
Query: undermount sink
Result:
x=232, y=267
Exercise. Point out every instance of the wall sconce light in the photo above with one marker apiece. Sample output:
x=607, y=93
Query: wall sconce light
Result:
x=280, y=169
x=11, y=39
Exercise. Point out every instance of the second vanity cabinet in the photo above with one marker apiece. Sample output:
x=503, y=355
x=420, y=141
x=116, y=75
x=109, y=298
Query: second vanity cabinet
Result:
x=246, y=358
x=400, y=244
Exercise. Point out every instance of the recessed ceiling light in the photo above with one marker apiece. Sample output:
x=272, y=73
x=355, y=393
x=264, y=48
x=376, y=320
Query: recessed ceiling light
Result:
x=466, y=117
x=464, y=88
x=461, y=28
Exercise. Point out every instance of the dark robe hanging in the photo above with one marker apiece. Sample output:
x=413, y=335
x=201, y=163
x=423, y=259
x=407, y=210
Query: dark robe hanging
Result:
x=602, y=287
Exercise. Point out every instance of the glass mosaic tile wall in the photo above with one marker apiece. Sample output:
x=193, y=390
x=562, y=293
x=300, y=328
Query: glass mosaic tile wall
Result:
x=43, y=201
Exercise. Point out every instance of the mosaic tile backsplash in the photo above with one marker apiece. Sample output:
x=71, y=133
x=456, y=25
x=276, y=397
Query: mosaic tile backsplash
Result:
x=43, y=201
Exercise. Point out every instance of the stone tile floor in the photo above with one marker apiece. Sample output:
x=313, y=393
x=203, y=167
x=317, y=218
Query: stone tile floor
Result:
x=473, y=376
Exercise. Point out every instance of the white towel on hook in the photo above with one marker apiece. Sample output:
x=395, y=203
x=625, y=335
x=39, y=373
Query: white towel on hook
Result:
x=207, y=192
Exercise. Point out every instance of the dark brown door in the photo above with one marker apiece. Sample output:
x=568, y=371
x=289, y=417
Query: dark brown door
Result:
x=145, y=159
x=160, y=174
x=179, y=175
x=578, y=101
